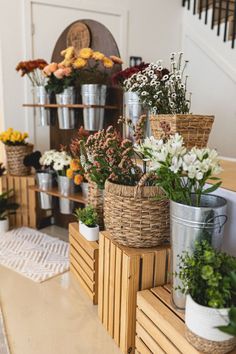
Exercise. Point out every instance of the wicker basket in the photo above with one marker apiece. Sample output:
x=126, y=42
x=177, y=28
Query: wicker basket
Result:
x=96, y=199
x=195, y=129
x=15, y=156
x=208, y=346
x=134, y=217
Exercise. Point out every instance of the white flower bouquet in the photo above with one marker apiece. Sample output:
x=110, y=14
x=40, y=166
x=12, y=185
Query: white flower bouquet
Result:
x=181, y=174
x=59, y=161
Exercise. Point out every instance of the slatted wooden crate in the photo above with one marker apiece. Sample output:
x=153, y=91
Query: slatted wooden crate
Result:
x=159, y=327
x=84, y=261
x=26, y=213
x=123, y=271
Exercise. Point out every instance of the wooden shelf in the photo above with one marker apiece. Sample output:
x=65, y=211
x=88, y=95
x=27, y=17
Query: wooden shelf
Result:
x=77, y=197
x=70, y=106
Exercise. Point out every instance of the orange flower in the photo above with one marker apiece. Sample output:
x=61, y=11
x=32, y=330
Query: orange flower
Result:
x=85, y=53
x=107, y=62
x=79, y=63
x=74, y=165
x=78, y=179
x=98, y=55
x=116, y=60
x=69, y=173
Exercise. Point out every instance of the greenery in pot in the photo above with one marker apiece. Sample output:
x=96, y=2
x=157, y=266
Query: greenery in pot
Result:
x=206, y=275
x=6, y=206
x=231, y=327
x=180, y=173
x=87, y=216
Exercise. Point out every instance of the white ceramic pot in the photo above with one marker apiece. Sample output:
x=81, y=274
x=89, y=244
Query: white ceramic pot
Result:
x=4, y=226
x=203, y=320
x=90, y=233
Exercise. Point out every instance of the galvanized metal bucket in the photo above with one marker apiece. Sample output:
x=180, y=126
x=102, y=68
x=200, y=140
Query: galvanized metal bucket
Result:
x=93, y=94
x=66, y=187
x=190, y=224
x=42, y=97
x=132, y=109
x=66, y=116
x=84, y=187
x=44, y=181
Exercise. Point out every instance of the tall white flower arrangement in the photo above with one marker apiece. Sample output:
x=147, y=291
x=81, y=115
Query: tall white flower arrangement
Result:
x=59, y=161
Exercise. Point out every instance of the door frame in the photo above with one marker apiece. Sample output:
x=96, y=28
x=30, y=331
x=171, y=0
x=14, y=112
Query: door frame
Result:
x=84, y=5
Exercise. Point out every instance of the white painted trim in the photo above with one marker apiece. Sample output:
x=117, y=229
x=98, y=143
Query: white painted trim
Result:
x=211, y=53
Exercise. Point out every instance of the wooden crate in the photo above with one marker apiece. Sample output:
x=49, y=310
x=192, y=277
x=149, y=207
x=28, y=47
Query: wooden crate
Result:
x=84, y=261
x=26, y=213
x=123, y=271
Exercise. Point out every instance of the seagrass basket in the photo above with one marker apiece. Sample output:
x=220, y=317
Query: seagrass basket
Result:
x=15, y=157
x=134, y=217
x=96, y=199
x=195, y=129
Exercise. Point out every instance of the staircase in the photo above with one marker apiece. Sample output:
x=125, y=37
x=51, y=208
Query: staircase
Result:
x=220, y=14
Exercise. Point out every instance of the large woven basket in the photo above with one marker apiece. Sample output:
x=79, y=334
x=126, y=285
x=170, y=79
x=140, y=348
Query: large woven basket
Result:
x=134, y=217
x=15, y=157
x=96, y=199
x=208, y=346
x=195, y=129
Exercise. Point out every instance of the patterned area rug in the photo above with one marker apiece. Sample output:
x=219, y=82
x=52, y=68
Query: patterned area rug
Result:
x=33, y=254
x=4, y=348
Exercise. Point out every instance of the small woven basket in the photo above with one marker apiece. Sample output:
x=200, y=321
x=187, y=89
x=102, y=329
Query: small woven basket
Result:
x=195, y=129
x=134, y=217
x=208, y=346
x=96, y=199
x=15, y=157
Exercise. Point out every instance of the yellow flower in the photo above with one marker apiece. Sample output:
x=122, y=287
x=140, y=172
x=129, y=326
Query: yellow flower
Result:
x=116, y=60
x=68, y=53
x=107, y=62
x=74, y=165
x=79, y=63
x=69, y=173
x=98, y=55
x=85, y=53
x=78, y=179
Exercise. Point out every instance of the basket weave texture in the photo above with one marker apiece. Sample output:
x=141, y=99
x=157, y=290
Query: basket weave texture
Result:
x=208, y=346
x=96, y=199
x=195, y=129
x=134, y=217
x=15, y=156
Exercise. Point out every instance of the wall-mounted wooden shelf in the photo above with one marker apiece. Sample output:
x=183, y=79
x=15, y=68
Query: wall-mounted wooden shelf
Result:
x=78, y=106
x=76, y=197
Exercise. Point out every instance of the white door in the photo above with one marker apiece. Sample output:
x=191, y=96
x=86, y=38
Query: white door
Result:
x=50, y=18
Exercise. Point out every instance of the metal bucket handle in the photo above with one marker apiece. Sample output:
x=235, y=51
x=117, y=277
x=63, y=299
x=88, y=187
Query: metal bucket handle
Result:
x=219, y=216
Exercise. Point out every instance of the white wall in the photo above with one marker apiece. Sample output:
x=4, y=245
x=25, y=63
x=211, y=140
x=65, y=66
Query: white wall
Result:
x=153, y=31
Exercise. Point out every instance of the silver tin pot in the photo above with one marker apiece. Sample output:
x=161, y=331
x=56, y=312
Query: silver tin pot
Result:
x=132, y=109
x=66, y=116
x=190, y=224
x=66, y=187
x=93, y=94
x=44, y=181
x=42, y=97
x=84, y=187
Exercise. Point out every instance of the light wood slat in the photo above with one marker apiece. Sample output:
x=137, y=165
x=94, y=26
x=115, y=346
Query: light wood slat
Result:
x=106, y=283
x=3, y=180
x=101, y=277
x=130, y=286
x=54, y=105
x=164, y=295
x=141, y=347
x=147, y=270
x=88, y=246
x=117, y=296
x=81, y=251
x=32, y=203
x=167, y=287
x=82, y=273
x=12, y=218
x=112, y=290
x=96, y=259
x=82, y=263
x=160, y=267
x=156, y=333
x=82, y=282
x=148, y=340
x=168, y=271
x=167, y=320
x=76, y=197
x=17, y=188
x=24, y=202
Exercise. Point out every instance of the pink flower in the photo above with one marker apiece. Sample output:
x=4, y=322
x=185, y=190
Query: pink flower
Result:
x=50, y=68
x=59, y=73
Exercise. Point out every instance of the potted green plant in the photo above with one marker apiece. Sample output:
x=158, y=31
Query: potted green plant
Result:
x=206, y=279
x=6, y=208
x=88, y=220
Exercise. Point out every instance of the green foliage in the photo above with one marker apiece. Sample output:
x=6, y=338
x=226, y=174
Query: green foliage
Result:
x=6, y=206
x=206, y=276
x=56, y=86
x=87, y=216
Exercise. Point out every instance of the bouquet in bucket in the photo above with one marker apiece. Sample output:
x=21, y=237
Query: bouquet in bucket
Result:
x=34, y=71
x=58, y=161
